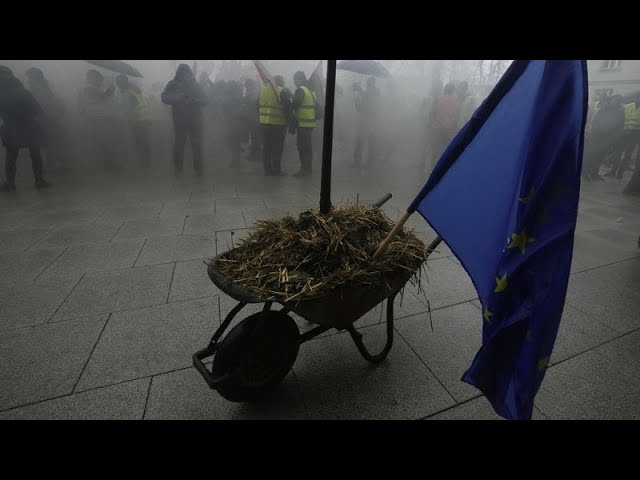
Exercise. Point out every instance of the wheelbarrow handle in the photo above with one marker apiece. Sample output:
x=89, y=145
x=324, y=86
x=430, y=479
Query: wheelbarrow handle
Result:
x=383, y=200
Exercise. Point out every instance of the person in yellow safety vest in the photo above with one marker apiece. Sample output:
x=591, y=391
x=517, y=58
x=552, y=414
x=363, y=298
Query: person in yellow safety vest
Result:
x=304, y=106
x=138, y=114
x=630, y=138
x=97, y=106
x=274, y=112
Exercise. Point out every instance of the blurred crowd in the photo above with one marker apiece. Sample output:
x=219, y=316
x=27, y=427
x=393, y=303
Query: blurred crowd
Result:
x=612, y=139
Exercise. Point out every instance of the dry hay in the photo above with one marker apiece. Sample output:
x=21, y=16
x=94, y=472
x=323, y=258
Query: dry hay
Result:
x=313, y=254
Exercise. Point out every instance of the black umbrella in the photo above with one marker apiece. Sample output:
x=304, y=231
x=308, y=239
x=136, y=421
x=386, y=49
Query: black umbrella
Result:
x=116, y=66
x=364, y=67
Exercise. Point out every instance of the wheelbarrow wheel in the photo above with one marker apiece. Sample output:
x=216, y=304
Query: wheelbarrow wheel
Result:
x=256, y=355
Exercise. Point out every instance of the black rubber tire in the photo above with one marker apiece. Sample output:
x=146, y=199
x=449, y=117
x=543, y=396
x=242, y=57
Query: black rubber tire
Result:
x=256, y=355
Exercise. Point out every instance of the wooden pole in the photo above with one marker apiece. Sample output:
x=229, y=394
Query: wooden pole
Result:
x=385, y=243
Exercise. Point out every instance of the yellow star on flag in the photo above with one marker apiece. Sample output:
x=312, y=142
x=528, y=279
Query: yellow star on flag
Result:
x=543, y=363
x=487, y=315
x=520, y=240
x=501, y=284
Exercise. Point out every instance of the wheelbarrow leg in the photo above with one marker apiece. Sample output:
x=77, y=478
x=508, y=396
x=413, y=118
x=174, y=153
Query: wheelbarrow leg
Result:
x=357, y=337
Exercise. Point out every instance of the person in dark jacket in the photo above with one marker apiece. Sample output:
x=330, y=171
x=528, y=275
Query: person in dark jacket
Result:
x=232, y=109
x=58, y=147
x=249, y=111
x=606, y=130
x=21, y=128
x=187, y=100
x=97, y=106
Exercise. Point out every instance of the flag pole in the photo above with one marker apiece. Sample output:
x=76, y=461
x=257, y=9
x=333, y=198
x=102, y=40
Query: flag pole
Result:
x=327, y=140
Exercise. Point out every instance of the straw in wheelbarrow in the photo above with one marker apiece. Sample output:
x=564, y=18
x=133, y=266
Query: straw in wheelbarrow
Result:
x=312, y=254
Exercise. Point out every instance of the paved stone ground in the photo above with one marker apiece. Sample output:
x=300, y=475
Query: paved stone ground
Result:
x=104, y=298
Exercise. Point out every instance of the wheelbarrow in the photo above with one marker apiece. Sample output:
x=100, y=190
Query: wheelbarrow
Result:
x=258, y=353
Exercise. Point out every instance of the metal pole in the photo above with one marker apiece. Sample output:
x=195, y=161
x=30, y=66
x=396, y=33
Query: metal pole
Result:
x=327, y=140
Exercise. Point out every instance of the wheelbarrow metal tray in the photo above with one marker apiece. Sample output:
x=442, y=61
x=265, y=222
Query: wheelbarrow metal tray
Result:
x=338, y=308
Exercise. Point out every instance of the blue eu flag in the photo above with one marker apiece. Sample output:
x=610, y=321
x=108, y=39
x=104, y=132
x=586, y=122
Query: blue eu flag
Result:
x=504, y=197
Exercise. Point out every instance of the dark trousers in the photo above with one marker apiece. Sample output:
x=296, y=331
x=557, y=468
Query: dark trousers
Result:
x=365, y=134
x=305, y=148
x=596, y=148
x=191, y=128
x=255, y=139
x=11, y=160
x=104, y=141
x=141, y=133
x=627, y=145
x=441, y=139
x=272, y=146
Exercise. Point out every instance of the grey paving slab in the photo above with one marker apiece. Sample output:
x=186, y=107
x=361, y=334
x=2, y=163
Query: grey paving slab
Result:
x=150, y=227
x=62, y=217
x=591, y=387
x=45, y=361
x=67, y=235
x=591, y=251
x=197, y=207
x=149, y=341
x=190, y=281
x=618, y=238
x=609, y=294
x=239, y=202
x=124, y=401
x=78, y=259
x=624, y=351
x=116, y=290
x=20, y=267
x=184, y=395
x=176, y=248
x=578, y=333
x=21, y=239
x=450, y=347
x=337, y=383
x=209, y=224
x=121, y=214
x=446, y=283
x=477, y=409
x=32, y=303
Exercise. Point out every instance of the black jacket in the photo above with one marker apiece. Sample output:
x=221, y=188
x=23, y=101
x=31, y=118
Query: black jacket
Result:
x=185, y=95
x=20, y=114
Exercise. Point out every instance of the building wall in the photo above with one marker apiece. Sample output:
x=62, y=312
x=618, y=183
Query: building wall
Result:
x=622, y=80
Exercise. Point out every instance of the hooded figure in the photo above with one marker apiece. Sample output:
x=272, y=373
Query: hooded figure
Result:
x=53, y=107
x=187, y=99
x=20, y=114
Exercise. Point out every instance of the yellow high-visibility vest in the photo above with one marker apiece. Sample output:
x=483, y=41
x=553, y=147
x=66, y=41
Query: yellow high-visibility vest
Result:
x=271, y=111
x=631, y=117
x=306, y=112
x=141, y=112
